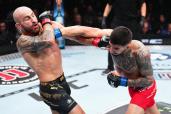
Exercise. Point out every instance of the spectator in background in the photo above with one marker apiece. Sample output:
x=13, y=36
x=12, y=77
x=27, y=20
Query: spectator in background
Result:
x=169, y=28
x=146, y=28
x=2, y=26
x=75, y=10
x=126, y=13
x=58, y=11
x=76, y=16
x=166, y=32
x=58, y=16
x=6, y=38
x=162, y=21
x=162, y=26
x=36, y=12
x=89, y=16
x=48, y=5
x=77, y=19
x=155, y=9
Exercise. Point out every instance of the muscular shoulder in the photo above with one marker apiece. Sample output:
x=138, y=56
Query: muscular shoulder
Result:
x=135, y=45
x=34, y=43
x=141, y=52
x=23, y=41
x=143, y=59
x=138, y=47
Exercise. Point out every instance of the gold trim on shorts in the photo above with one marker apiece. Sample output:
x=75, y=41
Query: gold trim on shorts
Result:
x=59, y=79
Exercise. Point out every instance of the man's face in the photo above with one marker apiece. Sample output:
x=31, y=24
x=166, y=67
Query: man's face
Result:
x=29, y=23
x=169, y=27
x=2, y=26
x=116, y=49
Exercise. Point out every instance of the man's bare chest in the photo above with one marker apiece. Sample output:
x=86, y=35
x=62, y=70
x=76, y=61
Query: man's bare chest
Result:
x=126, y=62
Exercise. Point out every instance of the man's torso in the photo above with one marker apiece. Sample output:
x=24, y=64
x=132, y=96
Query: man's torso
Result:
x=47, y=62
x=127, y=63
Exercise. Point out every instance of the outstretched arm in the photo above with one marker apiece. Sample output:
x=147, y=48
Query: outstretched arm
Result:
x=84, y=31
x=82, y=34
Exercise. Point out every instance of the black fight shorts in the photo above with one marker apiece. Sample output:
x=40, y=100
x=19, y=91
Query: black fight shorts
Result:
x=56, y=94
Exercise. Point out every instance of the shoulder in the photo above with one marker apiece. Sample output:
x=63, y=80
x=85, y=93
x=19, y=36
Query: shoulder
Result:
x=138, y=47
x=135, y=44
x=22, y=39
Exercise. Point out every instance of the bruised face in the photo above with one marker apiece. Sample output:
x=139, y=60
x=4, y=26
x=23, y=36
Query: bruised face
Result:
x=116, y=49
x=28, y=22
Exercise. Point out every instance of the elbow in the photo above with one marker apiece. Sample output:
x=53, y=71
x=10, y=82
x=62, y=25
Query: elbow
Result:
x=82, y=31
x=150, y=80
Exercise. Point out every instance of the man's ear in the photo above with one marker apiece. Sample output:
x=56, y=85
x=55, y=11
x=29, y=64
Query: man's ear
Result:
x=18, y=26
x=110, y=42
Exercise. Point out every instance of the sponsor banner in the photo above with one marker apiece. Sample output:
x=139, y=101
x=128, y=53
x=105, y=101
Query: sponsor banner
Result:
x=16, y=75
x=162, y=65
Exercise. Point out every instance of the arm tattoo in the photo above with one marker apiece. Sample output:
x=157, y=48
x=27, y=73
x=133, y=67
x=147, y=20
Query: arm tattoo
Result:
x=34, y=43
x=140, y=82
x=144, y=62
x=145, y=67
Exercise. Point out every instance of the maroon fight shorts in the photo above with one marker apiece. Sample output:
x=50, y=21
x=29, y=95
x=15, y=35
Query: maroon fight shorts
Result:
x=143, y=97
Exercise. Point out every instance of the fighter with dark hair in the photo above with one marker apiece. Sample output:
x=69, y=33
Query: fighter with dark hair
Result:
x=133, y=69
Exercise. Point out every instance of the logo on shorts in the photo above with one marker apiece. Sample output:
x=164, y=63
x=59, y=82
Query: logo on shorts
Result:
x=16, y=75
x=69, y=101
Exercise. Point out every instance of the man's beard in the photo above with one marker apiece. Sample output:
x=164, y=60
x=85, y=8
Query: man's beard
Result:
x=31, y=31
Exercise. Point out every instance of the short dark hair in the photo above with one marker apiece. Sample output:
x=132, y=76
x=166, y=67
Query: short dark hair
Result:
x=121, y=36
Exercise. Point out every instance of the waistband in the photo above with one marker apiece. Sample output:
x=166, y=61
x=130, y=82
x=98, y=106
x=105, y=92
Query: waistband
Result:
x=59, y=79
x=144, y=88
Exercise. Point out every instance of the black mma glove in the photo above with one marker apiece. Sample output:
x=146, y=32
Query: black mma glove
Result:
x=142, y=21
x=45, y=17
x=104, y=22
x=101, y=41
x=116, y=81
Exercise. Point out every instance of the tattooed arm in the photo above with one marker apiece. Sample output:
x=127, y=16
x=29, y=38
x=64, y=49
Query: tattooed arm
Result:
x=145, y=69
x=34, y=43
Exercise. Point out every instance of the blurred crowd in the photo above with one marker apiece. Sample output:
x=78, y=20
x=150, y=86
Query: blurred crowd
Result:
x=83, y=12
